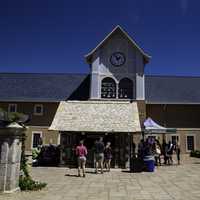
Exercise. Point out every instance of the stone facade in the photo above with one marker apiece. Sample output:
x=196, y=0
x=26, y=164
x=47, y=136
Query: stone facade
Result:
x=97, y=116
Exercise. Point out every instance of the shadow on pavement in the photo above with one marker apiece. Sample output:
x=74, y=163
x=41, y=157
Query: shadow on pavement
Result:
x=71, y=175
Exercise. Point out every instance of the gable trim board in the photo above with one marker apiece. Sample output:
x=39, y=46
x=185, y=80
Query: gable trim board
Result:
x=117, y=28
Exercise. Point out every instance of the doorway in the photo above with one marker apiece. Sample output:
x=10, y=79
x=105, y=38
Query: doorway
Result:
x=89, y=141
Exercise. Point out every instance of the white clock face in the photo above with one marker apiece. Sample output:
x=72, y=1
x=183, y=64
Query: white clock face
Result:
x=117, y=59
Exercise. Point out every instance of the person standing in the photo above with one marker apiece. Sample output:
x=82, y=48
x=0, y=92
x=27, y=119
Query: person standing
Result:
x=157, y=152
x=164, y=151
x=178, y=152
x=170, y=152
x=108, y=156
x=81, y=152
x=99, y=154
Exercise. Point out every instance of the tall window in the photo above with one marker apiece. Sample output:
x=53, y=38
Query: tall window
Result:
x=125, y=90
x=36, y=139
x=108, y=88
x=190, y=142
x=12, y=108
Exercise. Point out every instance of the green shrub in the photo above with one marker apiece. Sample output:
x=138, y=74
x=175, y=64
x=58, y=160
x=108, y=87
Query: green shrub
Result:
x=35, y=153
x=195, y=153
x=25, y=180
x=26, y=183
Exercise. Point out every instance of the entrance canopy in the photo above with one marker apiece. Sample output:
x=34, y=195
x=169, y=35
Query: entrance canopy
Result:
x=153, y=127
x=97, y=116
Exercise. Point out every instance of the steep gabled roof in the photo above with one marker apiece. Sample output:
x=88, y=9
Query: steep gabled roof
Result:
x=41, y=87
x=118, y=28
x=172, y=89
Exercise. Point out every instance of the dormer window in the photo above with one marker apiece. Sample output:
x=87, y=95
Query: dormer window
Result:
x=108, y=88
x=38, y=109
x=12, y=108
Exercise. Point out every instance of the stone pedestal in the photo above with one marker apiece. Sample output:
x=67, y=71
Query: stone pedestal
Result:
x=10, y=156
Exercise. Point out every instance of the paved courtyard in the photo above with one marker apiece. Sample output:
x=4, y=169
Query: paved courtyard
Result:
x=167, y=182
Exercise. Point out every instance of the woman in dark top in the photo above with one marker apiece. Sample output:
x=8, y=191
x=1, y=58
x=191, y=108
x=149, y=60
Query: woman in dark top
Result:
x=108, y=156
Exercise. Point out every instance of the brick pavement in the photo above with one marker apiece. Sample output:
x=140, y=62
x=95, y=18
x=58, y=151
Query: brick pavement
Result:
x=167, y=182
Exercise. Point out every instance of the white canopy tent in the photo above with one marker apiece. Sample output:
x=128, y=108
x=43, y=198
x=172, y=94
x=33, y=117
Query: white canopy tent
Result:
x=152, y=127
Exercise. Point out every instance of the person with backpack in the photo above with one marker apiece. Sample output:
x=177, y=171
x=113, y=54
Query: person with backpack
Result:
x=99, y=154
x=81, y=152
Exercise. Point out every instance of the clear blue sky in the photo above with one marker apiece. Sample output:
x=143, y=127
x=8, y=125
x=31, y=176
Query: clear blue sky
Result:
x=53, y=36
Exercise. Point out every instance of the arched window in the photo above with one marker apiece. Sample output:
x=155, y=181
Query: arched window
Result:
x=108, y=88
x=125, y=90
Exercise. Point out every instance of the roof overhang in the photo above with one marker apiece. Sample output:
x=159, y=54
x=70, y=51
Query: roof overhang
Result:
x=117, y=28
x=171, y=103
x=97, y=116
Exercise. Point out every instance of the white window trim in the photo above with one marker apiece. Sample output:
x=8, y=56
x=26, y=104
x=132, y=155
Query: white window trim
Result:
x=175, y=134
x=12, y=104
x=194, y=135
x=42, y=110
x=34, y=132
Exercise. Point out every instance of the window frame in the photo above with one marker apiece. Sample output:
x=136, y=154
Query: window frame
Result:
x=186, y=140
x=35, y=109
x=10, y=105
x=116, y=88
x=125, y=90
x=35, y=132
x=176, y=135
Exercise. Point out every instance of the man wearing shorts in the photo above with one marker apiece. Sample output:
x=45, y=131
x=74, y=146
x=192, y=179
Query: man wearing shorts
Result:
x=99, y=154
x=81, y=152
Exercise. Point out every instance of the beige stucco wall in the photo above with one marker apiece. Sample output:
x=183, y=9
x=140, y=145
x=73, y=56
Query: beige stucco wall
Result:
x=47, y=136
x=182, y=134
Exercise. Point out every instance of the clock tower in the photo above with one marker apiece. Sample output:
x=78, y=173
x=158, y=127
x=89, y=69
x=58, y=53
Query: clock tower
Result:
x=117, y=68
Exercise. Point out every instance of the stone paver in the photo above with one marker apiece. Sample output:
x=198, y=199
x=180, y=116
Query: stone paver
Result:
x=166, y=183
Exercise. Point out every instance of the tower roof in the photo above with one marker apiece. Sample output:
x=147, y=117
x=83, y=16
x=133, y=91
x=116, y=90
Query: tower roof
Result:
x=122, y=31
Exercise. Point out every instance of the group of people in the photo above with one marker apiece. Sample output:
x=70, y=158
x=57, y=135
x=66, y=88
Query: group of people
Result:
x=148, y=147
x=152, y=147
x=102, y=156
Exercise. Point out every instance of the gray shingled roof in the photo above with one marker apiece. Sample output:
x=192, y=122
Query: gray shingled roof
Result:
x=58, y=87
x=172, y=89
x=38, y=87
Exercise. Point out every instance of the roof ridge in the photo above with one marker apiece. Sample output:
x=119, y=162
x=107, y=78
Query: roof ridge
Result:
x=39, y=73
x=171, y=76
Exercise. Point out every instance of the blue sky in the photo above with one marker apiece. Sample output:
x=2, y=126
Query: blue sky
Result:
x=53, y=36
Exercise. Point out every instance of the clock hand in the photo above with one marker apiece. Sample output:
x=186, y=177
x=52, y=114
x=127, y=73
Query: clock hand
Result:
x=118, y=57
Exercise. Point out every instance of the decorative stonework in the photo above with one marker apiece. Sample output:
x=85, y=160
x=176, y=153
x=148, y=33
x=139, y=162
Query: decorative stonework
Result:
x=97, y=116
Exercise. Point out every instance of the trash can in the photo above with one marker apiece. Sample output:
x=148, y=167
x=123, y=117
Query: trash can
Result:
x=137, y=165
x=150, y=163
